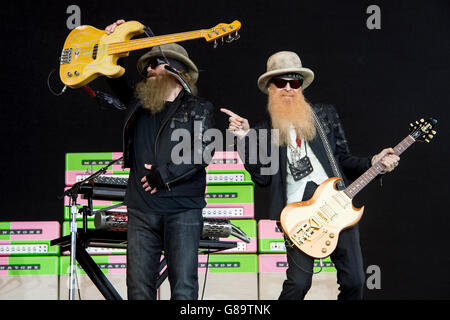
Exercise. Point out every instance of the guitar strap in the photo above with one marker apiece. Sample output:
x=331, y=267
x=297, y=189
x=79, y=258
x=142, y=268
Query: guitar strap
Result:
x=326, y=144
x=169, y=68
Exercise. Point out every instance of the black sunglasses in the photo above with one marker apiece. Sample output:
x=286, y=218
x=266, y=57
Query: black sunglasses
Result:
x=293, y=83
x=155, y=62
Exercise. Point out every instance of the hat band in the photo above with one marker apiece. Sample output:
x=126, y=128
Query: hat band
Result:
x=177, y=64
x=295, y=76
x=163, y=60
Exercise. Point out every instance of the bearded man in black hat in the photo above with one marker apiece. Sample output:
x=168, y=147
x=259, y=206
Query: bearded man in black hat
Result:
x=304, y=163
x=164, y=199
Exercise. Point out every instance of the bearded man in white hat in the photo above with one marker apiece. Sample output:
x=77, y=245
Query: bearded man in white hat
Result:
x=164, y=199
x=305, y=163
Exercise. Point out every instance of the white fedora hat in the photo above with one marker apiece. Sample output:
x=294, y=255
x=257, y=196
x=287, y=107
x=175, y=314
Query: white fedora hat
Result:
x=284, y=62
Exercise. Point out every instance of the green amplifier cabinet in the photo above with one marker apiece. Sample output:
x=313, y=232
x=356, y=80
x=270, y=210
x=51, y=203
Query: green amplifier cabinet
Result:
x=230, y=202
x=228, y=177
x=113, y=267
x=272, y=274
x=29, y=238
x=29, y=278
x=247, y=226
x=79, y=166
x=79, y=216
x=228, y=277
x=270, y=237
x=90, y=250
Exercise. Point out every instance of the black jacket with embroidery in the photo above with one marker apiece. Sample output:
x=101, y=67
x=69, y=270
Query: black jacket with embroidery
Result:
x=350, y=166
x=186, y=179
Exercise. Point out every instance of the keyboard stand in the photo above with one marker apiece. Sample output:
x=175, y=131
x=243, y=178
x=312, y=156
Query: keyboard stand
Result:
x=116, y=239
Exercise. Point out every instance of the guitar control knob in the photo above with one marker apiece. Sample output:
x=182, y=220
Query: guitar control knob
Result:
x=328, y=243
x=324, y=250
x=331, y=235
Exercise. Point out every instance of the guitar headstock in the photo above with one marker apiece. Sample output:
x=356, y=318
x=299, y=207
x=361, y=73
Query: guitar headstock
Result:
x=222, y=30
x=422, y=130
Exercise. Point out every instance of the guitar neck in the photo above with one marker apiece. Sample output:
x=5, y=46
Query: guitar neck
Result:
x=352, y=190
x=132, y=45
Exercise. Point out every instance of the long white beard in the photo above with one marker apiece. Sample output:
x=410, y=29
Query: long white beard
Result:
x=287, y=112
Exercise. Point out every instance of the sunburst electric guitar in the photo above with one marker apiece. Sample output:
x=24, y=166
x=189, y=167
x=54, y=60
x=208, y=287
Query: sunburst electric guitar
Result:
x=313, y=226
x=89, y=52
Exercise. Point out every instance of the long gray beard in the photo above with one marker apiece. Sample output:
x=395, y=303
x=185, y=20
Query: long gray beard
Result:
x=153, y=92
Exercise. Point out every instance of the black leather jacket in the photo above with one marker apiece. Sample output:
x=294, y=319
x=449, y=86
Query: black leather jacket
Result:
x=349, y=166
x=178, y=179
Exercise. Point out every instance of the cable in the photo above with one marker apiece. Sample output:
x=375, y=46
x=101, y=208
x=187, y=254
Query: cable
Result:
x=206, y=274
x=49, y=87
x=78, y=286
x=287, y=243
x=169, y=68
x=309, y=272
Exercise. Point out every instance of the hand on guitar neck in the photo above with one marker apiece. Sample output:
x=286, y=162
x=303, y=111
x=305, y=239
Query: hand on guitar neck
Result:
x=388, y=159
x=110, y=29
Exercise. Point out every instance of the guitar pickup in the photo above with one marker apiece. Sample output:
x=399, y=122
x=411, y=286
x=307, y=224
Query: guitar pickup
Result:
x=95, y=52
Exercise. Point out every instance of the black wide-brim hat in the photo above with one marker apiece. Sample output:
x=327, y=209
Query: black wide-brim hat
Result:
x=171, y=51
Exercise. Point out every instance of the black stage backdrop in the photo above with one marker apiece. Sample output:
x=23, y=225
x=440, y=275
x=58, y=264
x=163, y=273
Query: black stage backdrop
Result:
x=378, y=79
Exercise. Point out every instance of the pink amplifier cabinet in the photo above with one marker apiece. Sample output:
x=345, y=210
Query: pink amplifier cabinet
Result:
x=230, y=201
x=114, y=267
x=272, y=273
x=79, y=166
x=270, y=237
x=96, y=207
x=95, y=203
x=29, y=238
x=29, y=278
x=91, y=250
x=226, y=160
x=249, y=228
x=229, y=277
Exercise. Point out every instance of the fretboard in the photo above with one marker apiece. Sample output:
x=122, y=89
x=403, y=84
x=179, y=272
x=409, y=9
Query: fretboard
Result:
x=352, y=190
x=131, y=45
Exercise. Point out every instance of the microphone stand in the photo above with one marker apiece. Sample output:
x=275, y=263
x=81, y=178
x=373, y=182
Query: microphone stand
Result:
x=73, y=193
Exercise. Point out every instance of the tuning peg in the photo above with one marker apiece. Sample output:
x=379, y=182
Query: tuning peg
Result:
x=426, y=140
x=417, y=122
x=215, y=44
x=430, y=136
x=421, y=120
x=236, y=35
x=433, y=132
x=230, y=39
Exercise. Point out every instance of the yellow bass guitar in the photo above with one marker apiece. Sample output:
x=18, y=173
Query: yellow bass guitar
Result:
x=89, y=52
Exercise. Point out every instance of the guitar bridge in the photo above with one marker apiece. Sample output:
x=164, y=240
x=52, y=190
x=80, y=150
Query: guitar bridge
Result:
x=66, y=56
